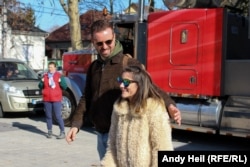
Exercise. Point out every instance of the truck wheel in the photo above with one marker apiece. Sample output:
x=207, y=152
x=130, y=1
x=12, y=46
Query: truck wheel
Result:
x=68, y=108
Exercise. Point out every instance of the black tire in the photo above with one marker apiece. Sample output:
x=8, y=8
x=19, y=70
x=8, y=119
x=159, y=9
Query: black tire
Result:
x=1, y=112
x=68, y=108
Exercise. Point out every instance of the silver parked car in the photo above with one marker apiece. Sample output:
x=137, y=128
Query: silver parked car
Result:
x=19, y=90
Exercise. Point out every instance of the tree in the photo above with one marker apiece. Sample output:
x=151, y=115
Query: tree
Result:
x=151, y=5
x=20, y=17
x=29, y=16
x=71, y=9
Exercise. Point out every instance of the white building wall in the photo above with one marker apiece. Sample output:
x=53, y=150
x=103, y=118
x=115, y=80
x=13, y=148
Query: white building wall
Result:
x=30, y=49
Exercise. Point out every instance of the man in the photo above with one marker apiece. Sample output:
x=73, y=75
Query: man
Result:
x=102, y=88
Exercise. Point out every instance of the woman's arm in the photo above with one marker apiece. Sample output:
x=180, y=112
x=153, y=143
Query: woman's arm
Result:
x=63, y=83
x=160, y=132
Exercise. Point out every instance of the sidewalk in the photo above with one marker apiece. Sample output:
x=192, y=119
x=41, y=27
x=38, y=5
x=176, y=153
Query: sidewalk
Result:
x=23, y=144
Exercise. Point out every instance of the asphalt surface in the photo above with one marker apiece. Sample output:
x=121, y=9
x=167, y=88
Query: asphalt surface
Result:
x=23, y=143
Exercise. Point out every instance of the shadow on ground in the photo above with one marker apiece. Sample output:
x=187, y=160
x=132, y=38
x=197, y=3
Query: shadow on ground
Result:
x=28, y=127
x=39, y=117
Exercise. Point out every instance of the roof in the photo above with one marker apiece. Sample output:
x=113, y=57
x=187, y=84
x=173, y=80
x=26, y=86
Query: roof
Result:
x=63, y=33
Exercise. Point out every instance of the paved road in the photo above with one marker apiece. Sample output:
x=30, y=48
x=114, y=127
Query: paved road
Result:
x=23, y=144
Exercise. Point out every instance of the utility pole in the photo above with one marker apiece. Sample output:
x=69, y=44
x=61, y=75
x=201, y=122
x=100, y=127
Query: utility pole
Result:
x=4, y=28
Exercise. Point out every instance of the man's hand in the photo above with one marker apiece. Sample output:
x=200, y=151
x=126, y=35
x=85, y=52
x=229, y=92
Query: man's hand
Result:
x=175, y=113
x=71, y=135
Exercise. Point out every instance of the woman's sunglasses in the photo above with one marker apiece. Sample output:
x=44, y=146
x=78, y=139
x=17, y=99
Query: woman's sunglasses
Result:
x=125, y=82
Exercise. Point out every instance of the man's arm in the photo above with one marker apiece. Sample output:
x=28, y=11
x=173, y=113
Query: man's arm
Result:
x=82, y=107
x=77, y=121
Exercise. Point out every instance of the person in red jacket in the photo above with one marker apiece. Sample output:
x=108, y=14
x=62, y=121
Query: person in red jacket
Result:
x=52, y=84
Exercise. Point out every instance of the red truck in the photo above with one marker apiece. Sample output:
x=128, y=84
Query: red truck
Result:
x=199, y=54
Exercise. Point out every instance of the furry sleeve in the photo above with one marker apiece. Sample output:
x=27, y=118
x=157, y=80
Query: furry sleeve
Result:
x=160, y=132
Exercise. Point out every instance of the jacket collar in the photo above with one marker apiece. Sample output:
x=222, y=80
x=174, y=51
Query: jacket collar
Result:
x=122, y=108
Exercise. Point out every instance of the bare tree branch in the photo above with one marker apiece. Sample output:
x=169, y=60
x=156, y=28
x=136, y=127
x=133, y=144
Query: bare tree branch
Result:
x=64, y=6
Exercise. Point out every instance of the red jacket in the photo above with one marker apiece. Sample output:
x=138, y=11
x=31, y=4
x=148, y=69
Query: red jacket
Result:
x=52, y=94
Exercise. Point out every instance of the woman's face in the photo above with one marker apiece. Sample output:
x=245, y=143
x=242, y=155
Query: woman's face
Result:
x=128, y=91
x=52, y=68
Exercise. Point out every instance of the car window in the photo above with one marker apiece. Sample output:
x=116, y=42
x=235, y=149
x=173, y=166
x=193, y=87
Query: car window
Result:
x=16, y=71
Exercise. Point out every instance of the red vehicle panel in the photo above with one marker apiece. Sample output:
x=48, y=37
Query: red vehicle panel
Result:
x=76, y=62
x=187, y=51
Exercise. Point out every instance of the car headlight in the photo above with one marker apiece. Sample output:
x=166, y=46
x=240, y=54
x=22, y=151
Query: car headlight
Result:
x=12, y=89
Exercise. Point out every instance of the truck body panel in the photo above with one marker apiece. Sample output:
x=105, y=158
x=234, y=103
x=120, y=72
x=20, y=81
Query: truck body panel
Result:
x=188, y=51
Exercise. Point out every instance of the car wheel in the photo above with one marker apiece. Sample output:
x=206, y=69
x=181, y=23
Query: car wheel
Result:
x=68, y=108
x=1, y=112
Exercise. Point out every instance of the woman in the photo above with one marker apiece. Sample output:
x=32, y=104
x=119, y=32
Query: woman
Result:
x=140, y=124
x=52, y=84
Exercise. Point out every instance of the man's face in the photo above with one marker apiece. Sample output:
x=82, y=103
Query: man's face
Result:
x=104, y=42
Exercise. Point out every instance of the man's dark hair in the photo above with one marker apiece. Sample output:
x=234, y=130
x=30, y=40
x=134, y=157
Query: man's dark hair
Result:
x=100, y=25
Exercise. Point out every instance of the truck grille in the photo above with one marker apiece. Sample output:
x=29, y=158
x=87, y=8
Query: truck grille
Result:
x=32, y=92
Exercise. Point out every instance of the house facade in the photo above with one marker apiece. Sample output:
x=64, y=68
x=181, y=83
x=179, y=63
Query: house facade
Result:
x=24, y=43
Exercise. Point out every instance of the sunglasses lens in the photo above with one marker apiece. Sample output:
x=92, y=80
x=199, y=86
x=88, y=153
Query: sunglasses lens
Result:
x=99, y=43
x=108, y=42
x=119, y=80
x=126, y=82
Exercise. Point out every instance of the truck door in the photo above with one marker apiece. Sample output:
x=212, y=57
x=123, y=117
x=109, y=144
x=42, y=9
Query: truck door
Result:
x=174, y=52
x=183, y=56
x=184, y=50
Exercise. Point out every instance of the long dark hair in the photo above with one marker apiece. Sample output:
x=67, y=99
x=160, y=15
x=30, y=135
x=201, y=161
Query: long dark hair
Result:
x=146, y=88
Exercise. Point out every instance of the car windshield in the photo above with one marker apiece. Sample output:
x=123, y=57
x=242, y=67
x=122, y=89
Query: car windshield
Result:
x=16, y=71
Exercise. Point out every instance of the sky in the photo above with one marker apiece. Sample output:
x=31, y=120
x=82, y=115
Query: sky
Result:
x=50, y=16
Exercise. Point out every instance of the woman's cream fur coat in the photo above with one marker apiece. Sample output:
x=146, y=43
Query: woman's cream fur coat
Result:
x=135, y=138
